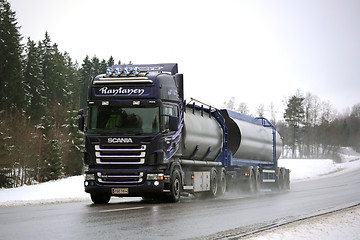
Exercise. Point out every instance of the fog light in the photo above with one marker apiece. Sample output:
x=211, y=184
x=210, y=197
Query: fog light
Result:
x=156, y=183
x=86, y=183
x=90, y=177
x=155, y=176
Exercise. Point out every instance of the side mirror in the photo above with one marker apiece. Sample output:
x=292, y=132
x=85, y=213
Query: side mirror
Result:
x=81, y=122
x=173, y=123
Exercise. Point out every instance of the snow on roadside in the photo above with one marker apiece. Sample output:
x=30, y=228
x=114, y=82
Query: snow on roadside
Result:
x=72, y=189
x=302, y=169
x=343, y=224
x=63, y=190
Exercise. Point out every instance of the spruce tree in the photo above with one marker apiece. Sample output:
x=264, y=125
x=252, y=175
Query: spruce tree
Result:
x=11, y=78
x=85, y=78
x=33, y=82
x=294, y=115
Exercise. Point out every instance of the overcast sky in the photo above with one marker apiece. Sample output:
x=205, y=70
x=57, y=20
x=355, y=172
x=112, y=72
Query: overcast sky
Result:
x=256, y=51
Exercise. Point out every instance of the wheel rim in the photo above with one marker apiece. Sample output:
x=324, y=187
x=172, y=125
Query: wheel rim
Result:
x=223, y=184
x=214, y=185
x=176, y=187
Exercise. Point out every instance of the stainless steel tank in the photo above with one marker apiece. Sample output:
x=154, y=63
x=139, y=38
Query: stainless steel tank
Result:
x=203, y=136
x=249, y=139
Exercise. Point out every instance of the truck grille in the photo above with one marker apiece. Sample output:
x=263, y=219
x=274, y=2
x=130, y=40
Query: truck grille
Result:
x=116, y=178
x=124, y=154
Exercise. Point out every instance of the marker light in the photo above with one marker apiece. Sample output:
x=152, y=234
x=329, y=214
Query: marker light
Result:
x=136, y=70
x=127, y=70
x=109, y=71
x=118, y=71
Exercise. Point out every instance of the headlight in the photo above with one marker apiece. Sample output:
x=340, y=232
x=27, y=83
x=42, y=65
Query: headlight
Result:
x=155, y=176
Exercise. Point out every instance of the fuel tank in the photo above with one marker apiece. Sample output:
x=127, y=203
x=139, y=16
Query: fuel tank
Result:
x=203, y=136
x=249, y=139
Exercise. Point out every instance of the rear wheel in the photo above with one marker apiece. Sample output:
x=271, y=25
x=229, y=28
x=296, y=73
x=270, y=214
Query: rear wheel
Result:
x=258, y=179
x=222, y=183
x=287, y=179
x=283, y=178
x=99, y=198
x=213, y=183
x=280, y=181
x=250, y=183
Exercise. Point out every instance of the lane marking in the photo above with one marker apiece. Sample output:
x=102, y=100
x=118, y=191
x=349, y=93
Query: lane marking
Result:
x=121, y=209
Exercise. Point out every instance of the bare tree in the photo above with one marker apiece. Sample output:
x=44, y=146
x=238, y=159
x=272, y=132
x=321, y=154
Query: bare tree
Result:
x=260, y=110
x=243, y=108
x=230, y=104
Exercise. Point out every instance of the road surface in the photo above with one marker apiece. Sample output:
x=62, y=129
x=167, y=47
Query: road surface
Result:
x=190, y=218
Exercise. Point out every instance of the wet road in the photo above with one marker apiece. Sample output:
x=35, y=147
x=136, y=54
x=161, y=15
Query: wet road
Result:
x=188, y=219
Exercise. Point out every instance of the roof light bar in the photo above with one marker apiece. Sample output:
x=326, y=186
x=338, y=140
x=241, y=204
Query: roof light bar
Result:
x=118, y=71
x=136, y=70
x=127, y=70
x=109, y=71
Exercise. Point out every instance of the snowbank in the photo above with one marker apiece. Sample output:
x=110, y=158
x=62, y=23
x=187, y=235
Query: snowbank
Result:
x=321, y=227
x=63, y=190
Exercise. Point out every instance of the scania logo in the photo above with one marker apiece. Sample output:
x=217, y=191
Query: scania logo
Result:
x=120, y=140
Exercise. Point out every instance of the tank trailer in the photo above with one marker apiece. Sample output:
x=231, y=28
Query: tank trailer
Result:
x=143, y=139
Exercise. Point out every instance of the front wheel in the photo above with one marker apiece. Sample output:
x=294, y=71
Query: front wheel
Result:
x=175, y=186
x=98, y=198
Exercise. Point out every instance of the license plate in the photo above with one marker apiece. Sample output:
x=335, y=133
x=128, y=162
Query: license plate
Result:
x=120, y=190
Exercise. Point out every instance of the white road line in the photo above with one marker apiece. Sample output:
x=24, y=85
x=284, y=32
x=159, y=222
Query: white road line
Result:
x=120, y=209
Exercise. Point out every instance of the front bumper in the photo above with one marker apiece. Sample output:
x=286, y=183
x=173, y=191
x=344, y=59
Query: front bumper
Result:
x=150, y=187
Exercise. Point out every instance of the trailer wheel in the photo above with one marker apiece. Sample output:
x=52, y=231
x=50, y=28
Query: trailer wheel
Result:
x=287, y=179
x=258, y=179
x=281, y=184
x=250, y=183
x=98, y=198
x=277, y=184
x=222, y=183
x=175, y=186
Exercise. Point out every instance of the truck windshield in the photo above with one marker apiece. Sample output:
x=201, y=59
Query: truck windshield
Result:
x=120, y=120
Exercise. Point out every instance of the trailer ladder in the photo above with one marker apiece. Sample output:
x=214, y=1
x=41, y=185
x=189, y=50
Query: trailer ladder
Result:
x=224, y=156
x=267, y=123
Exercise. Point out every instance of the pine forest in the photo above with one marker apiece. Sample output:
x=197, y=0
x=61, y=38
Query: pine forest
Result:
x=42, y=89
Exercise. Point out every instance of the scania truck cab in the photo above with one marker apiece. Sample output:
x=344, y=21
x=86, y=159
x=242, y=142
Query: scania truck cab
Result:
x=132, y=129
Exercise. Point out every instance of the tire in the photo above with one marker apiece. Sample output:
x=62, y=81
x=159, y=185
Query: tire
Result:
x=175, y=186
x=258, y=179
x=250, y=184
x=281, y=183
x=287, y=179
x=99, y=198
x=278, y=180
x=213, y=184
x=222, y=183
